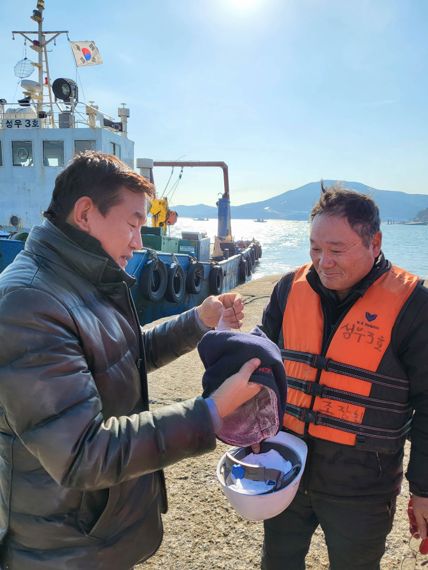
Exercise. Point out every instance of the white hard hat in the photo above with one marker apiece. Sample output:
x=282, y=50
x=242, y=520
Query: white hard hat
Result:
x=281, y=486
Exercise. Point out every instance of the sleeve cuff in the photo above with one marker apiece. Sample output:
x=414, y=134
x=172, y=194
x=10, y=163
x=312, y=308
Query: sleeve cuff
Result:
x=415, y=490
x=200, y=322
x=215, y=418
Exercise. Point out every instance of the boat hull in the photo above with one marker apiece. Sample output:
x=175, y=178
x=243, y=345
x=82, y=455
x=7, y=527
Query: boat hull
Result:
x=218, y=277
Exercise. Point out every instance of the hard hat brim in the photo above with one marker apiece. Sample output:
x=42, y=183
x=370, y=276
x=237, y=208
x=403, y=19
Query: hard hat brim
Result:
x=267, y=505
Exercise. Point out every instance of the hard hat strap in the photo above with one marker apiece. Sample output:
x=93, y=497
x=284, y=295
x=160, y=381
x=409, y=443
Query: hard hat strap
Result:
x=252, y=472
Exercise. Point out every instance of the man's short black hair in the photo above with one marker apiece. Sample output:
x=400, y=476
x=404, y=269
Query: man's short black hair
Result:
x=359, y=210
x=98, y=176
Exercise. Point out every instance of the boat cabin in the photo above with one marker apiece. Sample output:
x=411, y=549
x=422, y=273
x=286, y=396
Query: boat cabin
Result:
x=35, y=146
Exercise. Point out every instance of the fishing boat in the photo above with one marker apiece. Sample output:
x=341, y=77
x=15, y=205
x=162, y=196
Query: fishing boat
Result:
x=47, y=126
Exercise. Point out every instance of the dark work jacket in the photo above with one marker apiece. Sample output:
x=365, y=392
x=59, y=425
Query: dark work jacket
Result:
x=343, y=471
x=80, y=454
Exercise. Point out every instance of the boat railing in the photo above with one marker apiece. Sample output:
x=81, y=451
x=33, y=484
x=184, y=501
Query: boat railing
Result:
x=80, y=115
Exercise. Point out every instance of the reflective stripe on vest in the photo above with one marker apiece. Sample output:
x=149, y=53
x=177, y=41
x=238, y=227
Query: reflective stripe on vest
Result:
x=341, y=395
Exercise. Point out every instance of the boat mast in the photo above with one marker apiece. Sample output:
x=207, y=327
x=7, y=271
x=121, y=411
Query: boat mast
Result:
x=40, y=46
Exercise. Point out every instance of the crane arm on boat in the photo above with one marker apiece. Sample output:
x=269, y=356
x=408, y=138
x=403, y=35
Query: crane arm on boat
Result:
x=162, y=216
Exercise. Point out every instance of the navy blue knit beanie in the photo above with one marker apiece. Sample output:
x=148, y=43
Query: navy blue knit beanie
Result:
x=223, y=353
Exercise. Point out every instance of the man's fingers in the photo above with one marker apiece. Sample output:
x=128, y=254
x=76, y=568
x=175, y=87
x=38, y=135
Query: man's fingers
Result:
x=228, y=299
x=423, y=547
x=421, y=524
x=236, y=390
x=249, y=367
x=231, y=316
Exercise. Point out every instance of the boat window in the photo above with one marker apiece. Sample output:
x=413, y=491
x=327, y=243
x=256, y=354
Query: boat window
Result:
x=22, y=153
x=115, y=149
x=81, y=146
x=53, y=153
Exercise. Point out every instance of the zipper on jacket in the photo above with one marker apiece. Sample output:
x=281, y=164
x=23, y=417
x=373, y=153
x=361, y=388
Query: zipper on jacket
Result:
x=379, y=465
x=141, y=359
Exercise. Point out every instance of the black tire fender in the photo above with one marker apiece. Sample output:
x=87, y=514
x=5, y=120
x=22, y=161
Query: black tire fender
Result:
x=256, y=251
x=153, y=280
x=194, y=277
x=249, y=266
x=252, y=259
x=242, y=269
x=215, y=280
x=176, y=286
x=253, y=254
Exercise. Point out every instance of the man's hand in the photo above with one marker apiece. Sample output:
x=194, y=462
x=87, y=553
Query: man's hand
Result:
x=237, y=389
x=227, y=308
x=417, y=511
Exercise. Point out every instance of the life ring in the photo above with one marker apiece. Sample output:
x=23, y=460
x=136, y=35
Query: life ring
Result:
x=175, y=288
x=215, y=280
x=242, y=269
x=154, y=280
x=22, y=154
x=195, y=277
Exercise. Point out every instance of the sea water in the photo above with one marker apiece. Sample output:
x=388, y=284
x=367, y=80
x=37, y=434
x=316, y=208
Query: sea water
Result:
x=285, y=243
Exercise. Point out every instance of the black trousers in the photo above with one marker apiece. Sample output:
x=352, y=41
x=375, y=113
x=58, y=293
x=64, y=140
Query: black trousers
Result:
x=355, y=532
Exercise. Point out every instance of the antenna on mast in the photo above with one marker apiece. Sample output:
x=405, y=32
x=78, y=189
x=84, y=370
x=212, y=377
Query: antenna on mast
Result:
x=38, y=42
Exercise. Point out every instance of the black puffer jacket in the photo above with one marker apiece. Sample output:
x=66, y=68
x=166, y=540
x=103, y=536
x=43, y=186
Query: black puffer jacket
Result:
x=343, y=471
x=80, y=455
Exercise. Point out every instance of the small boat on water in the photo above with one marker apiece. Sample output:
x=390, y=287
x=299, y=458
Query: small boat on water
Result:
x=260, y=220
x=46, y=127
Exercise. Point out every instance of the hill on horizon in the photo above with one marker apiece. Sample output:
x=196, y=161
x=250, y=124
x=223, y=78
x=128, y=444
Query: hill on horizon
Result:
x=296, y=204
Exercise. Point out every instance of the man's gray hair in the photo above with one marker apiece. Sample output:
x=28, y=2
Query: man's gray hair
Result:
x=358, y=209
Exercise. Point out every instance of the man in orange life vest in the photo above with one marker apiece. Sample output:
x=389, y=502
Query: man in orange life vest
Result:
x=353, y=330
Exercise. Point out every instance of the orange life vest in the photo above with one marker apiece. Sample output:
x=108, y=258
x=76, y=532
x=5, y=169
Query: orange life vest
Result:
x=343, y=394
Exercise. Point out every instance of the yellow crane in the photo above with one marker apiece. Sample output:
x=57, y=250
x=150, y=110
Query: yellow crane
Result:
x=162, y=216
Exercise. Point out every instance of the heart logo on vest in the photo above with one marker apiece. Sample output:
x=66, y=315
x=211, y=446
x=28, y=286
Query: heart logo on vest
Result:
x=371, y=317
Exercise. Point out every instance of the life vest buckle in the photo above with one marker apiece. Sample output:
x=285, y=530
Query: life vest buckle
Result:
x=320, y=362
x=314, y=389
x=308, y=416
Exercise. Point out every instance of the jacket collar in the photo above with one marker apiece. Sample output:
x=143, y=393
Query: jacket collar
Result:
x=76, y=250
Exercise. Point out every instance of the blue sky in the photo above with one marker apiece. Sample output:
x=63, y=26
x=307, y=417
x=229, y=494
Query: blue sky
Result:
x=284, y=91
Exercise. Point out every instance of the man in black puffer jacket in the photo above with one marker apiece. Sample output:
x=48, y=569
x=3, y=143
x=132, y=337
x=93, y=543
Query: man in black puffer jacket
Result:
x=81, y=485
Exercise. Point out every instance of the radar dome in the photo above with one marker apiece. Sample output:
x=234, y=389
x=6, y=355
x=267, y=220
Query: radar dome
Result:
x=31, y=86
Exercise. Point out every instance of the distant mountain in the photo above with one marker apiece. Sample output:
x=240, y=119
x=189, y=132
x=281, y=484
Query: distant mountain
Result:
x=422, y=216
x=196, y=211
x=296, y=204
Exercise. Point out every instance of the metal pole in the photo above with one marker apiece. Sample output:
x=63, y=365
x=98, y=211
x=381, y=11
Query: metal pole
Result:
x=224, y=230
x=40, y=52
x=49, y=87
x=196, y=163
